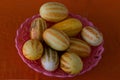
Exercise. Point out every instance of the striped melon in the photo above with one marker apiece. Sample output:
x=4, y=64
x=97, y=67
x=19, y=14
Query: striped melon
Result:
x=71, y=63
x=53, y=11
x=50, y=59
x=92, y=36
x=79, y=47
x=56, y=39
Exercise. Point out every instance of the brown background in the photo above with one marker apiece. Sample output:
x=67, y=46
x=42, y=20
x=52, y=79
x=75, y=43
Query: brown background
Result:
x=105, y=14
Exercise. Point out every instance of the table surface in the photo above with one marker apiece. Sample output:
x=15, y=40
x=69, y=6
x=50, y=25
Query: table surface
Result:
x=105, y=14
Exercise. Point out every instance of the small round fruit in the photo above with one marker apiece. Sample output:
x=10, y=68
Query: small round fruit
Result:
x=32, y=49
x=50, y=59
x=79, y=47
x=71, y=63
x=56, y=39
x=53, y=11
x=92, y=36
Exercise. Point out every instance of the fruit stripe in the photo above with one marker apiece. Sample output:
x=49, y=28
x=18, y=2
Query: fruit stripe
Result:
x=64, y=64
x=43, y=24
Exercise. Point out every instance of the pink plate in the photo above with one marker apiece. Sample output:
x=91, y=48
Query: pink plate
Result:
x=23, y=34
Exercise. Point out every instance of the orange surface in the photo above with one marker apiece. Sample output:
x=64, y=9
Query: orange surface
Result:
x=105, y=14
